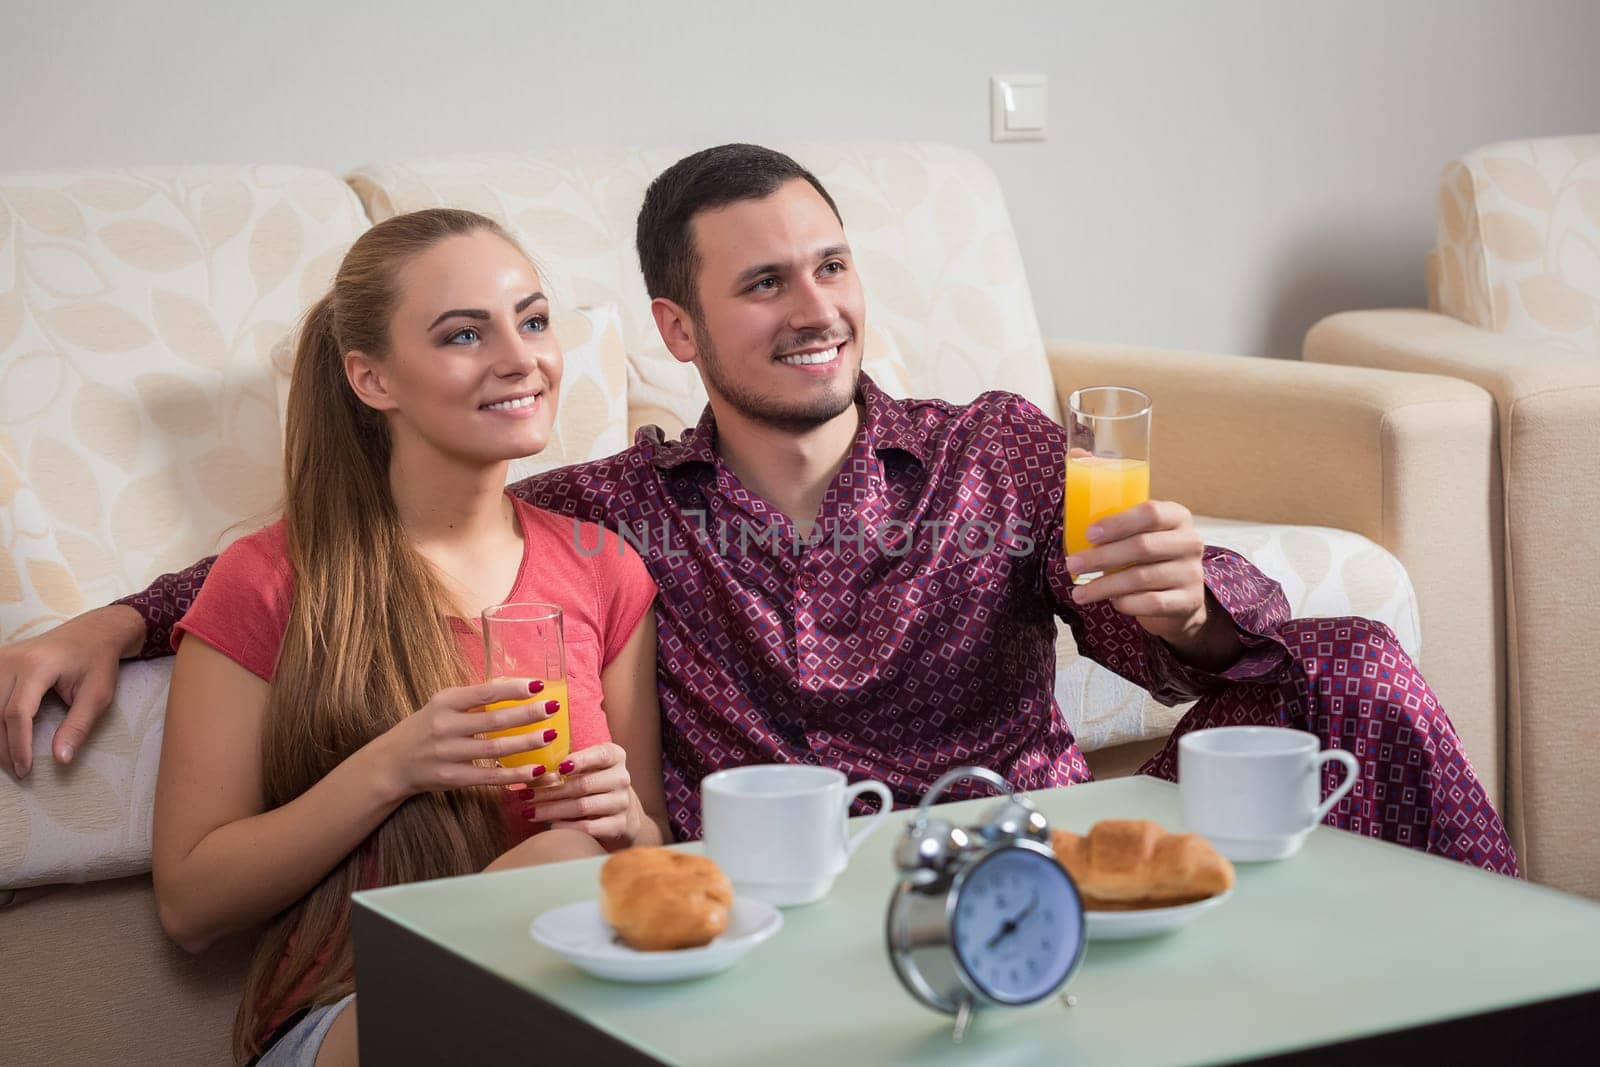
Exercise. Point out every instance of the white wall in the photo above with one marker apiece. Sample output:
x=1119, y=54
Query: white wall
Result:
x=1218, y=175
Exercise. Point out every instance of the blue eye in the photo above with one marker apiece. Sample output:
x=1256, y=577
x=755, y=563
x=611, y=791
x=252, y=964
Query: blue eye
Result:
x=464, y=336
x=539, y=323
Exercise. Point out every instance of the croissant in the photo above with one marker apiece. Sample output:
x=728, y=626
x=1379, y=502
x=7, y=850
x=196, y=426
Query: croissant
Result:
x=1129, y=864
x=658, y=899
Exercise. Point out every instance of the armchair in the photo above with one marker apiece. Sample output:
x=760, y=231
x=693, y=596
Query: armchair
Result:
x=1514, y=307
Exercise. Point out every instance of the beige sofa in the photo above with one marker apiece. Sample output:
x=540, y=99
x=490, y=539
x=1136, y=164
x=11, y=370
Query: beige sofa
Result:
x=143, y=316
x=1514, y=293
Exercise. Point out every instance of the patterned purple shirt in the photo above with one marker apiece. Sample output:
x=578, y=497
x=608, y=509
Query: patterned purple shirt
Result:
x=912, y=632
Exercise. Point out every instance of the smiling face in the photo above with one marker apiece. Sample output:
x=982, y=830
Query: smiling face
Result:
x=473, y=371
x=777, y=336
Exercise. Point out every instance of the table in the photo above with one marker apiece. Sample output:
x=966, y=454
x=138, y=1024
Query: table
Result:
x=1355, y=948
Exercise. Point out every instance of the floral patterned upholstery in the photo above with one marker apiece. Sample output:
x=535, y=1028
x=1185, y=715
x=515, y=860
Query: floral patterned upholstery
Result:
x=1518, y=246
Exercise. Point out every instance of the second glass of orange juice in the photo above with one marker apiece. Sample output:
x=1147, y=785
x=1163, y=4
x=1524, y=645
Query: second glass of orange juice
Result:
x=1108, y=461
x=524, y=640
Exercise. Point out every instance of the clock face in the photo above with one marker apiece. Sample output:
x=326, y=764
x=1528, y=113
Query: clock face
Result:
x=1017, y=925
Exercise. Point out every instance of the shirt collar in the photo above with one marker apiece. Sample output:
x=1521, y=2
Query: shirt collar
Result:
x=886, y=426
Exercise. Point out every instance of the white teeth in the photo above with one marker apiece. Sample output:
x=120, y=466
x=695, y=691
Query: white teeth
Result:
x=507, y=405
x=809, y=359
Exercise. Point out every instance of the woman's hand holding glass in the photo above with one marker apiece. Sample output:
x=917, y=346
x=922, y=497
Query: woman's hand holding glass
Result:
x=595, y=796
x=438, y=747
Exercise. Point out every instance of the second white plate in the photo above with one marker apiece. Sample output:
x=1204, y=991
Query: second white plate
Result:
x=1127, y=925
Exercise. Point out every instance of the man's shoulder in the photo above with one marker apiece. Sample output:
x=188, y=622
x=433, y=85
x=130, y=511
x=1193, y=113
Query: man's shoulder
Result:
x=993, y=414
x=606, y=469
x=599, y=489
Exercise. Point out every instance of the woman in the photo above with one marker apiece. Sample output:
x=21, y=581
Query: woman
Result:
x=322, y=732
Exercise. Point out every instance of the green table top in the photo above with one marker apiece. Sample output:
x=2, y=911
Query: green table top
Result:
x=1349, y=938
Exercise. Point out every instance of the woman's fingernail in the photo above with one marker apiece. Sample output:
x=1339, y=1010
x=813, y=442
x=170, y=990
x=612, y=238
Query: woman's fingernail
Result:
x=538, y=769
x=536, y=686
x=66, y=753
x=549, y=735
x=1093, y=533
x=552, y=706
x=567, y=766
x=1074, y=564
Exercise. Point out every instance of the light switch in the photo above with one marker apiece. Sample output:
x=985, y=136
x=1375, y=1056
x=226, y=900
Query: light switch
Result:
x=1017, y=107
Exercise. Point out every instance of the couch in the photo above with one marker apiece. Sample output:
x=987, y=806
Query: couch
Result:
x=144, y=317
x=1514, y=308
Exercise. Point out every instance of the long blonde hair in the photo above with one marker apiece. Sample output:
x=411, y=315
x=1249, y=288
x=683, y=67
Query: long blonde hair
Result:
x=367, y=641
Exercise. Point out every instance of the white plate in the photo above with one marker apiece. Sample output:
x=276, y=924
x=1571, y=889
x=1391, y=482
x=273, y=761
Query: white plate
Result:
x=1127, y=925
x=579, y=934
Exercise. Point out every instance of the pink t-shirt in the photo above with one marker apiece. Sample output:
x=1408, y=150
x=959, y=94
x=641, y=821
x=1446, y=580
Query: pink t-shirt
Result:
x=604, y=590
x=243, y=609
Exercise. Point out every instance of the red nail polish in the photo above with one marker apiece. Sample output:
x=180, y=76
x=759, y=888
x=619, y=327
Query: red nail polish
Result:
x=552, y=706
x=535, y=686
x=549, y=735
x=567, y=766
x=538, y=769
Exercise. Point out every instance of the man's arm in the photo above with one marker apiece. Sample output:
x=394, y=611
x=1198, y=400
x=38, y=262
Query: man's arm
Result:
x=79, y=659
x=1181, y=618
x=598, y=491
x=163, y=603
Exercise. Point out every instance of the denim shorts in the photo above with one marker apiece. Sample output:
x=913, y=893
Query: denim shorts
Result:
x=299, y=1047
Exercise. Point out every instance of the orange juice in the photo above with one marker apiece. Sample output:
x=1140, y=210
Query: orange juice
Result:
x=552, y=754
x=1098, y=486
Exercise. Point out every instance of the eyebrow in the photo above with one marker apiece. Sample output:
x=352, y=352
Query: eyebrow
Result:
x=752, y=273
x=480, y=314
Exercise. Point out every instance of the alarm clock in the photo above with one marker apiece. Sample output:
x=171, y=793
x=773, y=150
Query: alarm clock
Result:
x=983, y=915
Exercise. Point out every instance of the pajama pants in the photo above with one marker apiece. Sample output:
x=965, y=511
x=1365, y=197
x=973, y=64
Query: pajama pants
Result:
x=1356, y=689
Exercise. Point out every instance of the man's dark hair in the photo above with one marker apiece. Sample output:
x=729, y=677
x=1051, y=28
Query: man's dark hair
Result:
x=704, y=181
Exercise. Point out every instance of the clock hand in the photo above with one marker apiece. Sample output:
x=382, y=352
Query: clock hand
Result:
x=1009, y=927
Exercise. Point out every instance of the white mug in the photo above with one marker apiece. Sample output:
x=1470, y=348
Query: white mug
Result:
x=1253, y=791
x=779, y=831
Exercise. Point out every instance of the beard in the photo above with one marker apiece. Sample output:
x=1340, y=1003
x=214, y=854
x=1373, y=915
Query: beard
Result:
x=791, y=414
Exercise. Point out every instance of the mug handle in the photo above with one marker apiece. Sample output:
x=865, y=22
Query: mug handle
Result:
x=1351, y=768
x=885, y=800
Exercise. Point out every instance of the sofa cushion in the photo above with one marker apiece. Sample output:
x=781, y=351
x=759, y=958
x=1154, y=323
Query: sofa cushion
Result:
x=950, y=311
x=138, y=309
x=1518, y=245
x=91, y=820
x=1323, y=572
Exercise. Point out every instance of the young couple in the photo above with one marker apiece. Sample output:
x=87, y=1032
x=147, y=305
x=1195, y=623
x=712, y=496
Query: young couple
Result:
x=319, y=732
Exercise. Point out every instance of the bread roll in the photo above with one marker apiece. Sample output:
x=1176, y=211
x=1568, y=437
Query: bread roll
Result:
x=1129, y=864
x=658, y=899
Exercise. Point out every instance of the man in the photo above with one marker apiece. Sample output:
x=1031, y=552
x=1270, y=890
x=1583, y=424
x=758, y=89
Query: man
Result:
x=872, y=584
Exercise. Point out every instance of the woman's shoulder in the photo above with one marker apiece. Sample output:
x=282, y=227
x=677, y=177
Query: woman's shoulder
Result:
x=575, y=541
x=565, y=554
x=243, y=605
x=263, y=554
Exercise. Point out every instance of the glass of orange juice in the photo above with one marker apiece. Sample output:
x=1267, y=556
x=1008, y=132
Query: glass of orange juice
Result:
x=1108, y=461
x=524, y=640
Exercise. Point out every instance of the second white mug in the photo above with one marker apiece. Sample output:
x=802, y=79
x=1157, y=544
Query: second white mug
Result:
x=780, y=831
x=1256, y=791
